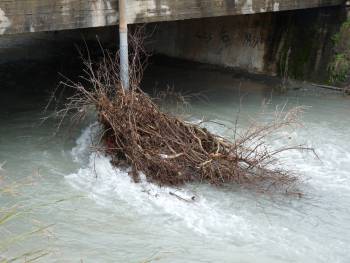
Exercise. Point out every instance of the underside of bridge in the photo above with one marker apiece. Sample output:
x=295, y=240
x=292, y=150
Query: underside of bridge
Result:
x=298, y=42
x=258, y=36
x=19, y=16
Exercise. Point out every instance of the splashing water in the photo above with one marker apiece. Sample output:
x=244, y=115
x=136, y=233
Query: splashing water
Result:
x=115, y=220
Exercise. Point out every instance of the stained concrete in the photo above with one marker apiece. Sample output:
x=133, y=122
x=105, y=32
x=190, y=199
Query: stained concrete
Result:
x=264, y=43
x=261, y=43
x=21, y=16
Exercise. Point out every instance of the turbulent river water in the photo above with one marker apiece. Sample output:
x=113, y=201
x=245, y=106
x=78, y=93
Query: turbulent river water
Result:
x=95, y=213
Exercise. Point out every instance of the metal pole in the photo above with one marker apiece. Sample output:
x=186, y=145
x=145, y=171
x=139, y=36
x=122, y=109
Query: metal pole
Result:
x=123, y=38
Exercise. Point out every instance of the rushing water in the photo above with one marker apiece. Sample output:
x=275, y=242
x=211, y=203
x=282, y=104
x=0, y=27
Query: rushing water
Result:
x=97, y=214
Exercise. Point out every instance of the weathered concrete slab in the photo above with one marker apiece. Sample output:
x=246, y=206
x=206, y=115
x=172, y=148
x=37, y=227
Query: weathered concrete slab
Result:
x=19, y=16
x=263, y=43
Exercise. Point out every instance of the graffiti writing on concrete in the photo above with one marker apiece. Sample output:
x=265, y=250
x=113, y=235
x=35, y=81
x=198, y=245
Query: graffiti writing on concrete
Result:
x=205, y=37
x=227, y=38
x=252, y=40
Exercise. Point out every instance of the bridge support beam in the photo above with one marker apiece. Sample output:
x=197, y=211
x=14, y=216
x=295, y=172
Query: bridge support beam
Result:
x=21, y=16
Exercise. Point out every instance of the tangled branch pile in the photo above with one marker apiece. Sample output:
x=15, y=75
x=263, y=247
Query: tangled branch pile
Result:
x=167, y=149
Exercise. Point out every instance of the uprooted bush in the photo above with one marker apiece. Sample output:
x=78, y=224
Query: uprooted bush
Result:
x=167, y=149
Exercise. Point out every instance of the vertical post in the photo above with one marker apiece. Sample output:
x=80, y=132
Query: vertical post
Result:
x=123, y=46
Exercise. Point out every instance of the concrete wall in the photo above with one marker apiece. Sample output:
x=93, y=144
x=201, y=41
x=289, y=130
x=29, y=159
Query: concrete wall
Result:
x=20, y=16
x=261, y=43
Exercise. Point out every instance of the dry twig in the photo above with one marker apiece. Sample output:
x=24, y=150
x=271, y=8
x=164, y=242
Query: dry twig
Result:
x=168, y=150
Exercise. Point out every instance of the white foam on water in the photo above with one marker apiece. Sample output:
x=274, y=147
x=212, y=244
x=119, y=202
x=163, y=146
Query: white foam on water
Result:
x=330, y=169
x=109, y=185
x=84, y=143
x=231, y=217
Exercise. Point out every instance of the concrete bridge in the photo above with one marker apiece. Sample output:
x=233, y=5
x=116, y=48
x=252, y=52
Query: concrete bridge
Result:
x=21, y=16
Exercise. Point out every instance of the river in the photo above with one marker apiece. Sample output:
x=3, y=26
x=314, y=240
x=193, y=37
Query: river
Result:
x=95, y=213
